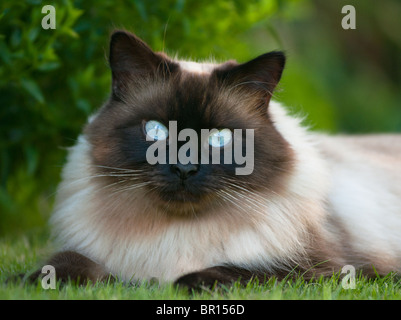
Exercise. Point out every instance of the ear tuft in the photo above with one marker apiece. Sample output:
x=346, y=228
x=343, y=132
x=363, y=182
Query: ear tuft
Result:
x=129, y=53
x=131, y=59
x=261, y=75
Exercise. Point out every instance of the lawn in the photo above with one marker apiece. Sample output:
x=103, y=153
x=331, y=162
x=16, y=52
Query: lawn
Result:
x=22, y=254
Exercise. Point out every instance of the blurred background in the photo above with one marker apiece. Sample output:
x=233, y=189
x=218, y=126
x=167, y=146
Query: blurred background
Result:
x=51, y=80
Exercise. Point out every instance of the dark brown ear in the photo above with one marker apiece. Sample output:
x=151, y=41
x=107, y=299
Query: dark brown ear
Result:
x=131, y=59
x=260, y=75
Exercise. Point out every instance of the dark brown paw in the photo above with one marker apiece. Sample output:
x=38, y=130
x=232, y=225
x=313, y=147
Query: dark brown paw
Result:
x=215, y=278
x=197, y=281
x=62, y=277
x=72, y=267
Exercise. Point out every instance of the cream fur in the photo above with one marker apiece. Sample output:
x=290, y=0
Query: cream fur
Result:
x=365, y=194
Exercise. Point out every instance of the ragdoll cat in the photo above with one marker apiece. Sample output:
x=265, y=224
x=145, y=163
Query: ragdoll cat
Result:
x=311, y=204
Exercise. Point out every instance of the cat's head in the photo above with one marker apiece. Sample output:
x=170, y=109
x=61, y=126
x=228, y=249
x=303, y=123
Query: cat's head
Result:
x=156, y=97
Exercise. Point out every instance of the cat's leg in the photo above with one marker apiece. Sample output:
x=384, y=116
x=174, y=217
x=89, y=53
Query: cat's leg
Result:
x=70, y=265
x=220, y=275
x=227, y=275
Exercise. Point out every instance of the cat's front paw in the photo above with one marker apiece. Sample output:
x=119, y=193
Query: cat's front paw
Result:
x=216, y=277
x=197, y=281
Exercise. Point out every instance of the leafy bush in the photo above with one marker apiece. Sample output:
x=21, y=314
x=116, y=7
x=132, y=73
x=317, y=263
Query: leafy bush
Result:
x=51, y=80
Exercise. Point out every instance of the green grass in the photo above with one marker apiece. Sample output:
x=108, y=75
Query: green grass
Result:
x=22, y=254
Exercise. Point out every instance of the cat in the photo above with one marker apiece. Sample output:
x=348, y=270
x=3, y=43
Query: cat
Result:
x=312, y=204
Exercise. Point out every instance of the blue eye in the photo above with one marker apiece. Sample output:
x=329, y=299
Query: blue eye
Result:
x=220, y=138
x=156, y=130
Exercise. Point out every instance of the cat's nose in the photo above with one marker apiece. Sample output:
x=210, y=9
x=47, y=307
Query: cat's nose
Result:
x=184, y=170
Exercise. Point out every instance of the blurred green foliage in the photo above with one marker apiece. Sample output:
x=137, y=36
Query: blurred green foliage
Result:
x=51, y=80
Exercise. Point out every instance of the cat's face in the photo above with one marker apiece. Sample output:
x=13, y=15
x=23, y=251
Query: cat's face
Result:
x=150, y=91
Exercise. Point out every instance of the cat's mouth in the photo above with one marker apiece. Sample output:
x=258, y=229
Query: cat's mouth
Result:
x=183, y=202
x=181, y=192
x=180, y=197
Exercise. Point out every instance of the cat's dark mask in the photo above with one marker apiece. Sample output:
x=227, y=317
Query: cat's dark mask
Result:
x=149, y=86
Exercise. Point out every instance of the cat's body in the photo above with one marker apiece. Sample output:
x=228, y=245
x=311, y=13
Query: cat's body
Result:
x=316, y=202
x=365, y=197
